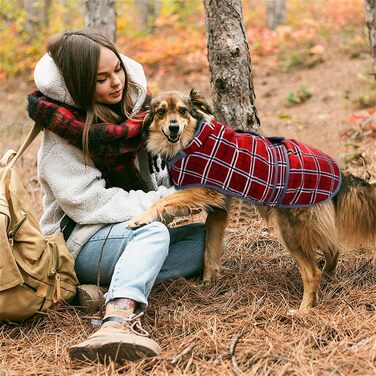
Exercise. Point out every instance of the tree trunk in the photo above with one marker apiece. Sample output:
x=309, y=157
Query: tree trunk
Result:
x=101, y=17
x=230, y=65
x=149, y=12
x=36, y=16
x=66, y=14
x=370, y=6
x=231, y=79
x=157, y=8
x=276, y=13
x=144, y=7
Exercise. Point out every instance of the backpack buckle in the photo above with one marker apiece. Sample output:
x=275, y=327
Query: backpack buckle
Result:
x=17, y=226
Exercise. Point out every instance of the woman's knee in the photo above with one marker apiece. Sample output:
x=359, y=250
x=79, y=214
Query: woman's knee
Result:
x=159, y=234
x=193, y=231
x=158, y=228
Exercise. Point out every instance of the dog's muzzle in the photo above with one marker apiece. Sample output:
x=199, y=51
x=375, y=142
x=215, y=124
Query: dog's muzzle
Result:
x=173, y=135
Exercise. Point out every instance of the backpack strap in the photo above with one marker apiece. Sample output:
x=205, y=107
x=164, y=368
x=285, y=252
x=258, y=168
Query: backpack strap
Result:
x=30, y=138
x=67, y=226
x=7, y=157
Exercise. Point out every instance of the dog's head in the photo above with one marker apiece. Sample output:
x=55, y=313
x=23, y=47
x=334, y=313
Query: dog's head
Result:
x=172, y=121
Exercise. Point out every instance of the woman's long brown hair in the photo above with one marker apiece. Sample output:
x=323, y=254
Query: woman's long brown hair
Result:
x=77, y=55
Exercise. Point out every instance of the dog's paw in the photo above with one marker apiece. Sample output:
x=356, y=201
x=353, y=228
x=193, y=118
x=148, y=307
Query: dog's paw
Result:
x=298, y=312
x=210, y=276
x=138, y=222
x=293, y=312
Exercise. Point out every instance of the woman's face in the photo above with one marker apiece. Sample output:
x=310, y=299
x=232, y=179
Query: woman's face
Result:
x=110, y=78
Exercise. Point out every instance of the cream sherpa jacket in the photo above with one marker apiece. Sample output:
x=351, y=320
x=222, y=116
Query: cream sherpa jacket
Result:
x=78, y=190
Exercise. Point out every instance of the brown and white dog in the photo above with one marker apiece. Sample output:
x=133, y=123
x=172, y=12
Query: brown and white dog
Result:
x=349, y=216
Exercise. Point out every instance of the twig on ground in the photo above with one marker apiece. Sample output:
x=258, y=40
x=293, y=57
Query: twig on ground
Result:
x=180, y=355
x=361, y=343
x=255, y=359
x=234, y=342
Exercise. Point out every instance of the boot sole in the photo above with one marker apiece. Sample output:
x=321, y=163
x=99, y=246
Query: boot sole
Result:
x=116, y=351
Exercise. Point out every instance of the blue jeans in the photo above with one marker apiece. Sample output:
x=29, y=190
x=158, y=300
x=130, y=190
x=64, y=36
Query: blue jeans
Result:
x=131, y=262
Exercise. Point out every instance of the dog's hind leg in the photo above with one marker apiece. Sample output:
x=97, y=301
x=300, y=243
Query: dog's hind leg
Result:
x=324, y=234
x=310, y=273
x=331, y=259
x=215, y=224
x=290, y=227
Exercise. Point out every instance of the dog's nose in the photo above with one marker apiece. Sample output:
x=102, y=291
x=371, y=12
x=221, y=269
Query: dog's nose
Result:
x=173, y=128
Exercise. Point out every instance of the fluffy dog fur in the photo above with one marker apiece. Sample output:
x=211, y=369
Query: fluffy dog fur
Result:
x=350, y=216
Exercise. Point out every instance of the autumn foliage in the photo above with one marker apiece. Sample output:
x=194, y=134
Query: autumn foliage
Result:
x=177, y=40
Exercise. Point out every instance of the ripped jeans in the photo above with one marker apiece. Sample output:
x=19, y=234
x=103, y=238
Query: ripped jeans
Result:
x=131, y=262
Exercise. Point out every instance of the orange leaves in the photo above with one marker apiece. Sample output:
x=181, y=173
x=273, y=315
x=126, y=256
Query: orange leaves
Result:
x=343, y=13
x=318, y=49
x=361, y=116
x=178, y=38
x=163, y=51
x=364, y=124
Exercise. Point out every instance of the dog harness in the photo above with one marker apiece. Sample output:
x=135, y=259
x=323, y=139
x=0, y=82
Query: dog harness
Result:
x=272, y=171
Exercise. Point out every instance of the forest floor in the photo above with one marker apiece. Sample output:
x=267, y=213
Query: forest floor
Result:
x=240, y=324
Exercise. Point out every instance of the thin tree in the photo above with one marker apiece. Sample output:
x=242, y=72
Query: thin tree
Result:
x=149, y=12
x=100, y=15
x=275, y=13
x=230, y=65
x=370, y=6
x=67, y=11
x=36, y=16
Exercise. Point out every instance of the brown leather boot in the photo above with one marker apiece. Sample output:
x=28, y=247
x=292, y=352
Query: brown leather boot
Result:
x=120, y=338
x=90, y=298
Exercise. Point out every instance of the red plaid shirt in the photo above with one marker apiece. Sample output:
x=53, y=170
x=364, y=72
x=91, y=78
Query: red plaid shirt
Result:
x=275, y=172
x=113, y=147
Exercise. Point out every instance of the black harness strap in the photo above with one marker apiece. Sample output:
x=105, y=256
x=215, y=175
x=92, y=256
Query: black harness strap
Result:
x=67, y=225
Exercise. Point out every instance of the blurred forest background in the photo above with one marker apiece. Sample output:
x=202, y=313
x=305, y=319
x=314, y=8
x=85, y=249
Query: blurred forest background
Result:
x=293, y=47
x=313, y=79
x=169, y=35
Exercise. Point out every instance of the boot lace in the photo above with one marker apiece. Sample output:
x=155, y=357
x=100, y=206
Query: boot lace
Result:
x=133, y=323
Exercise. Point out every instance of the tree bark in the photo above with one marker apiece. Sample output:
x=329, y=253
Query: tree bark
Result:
x=66, y=14
x=157, y=8
x=370, y=6
x=230, y=65
x=101, y=17
x=231, y=78
x=276, y=13
x=144, y=7
x=36, y=16
x=149, y=10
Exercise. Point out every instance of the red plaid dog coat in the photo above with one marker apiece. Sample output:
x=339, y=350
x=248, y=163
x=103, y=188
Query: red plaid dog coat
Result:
x=273, y=171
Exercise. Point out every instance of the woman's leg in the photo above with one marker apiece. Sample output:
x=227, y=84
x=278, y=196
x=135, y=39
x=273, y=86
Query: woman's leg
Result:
x=186, y=254
x=139, y=265
x=126, y=260
x=130, y=261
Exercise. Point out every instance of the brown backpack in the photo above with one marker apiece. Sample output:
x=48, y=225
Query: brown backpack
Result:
x=36, y=271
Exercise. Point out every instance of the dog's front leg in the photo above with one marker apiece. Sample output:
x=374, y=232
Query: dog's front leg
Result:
x=216, y=222
x=179, y=204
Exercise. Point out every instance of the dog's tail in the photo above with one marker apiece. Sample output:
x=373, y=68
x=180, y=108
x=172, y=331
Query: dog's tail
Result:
x=355, y=206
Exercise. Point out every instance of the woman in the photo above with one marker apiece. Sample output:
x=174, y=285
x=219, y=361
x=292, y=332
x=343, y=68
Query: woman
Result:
x=91, y=102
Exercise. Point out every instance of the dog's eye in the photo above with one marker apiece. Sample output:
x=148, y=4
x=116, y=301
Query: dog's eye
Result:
x=182, y=110
x=161, y=111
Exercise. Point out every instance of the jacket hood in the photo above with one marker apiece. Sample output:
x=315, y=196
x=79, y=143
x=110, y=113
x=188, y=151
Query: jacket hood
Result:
x=50, y=82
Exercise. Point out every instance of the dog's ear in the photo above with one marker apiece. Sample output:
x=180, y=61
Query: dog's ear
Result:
x=199, y=105
x=149, y=117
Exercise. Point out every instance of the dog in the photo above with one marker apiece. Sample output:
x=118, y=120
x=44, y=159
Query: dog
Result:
x=350, y=215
